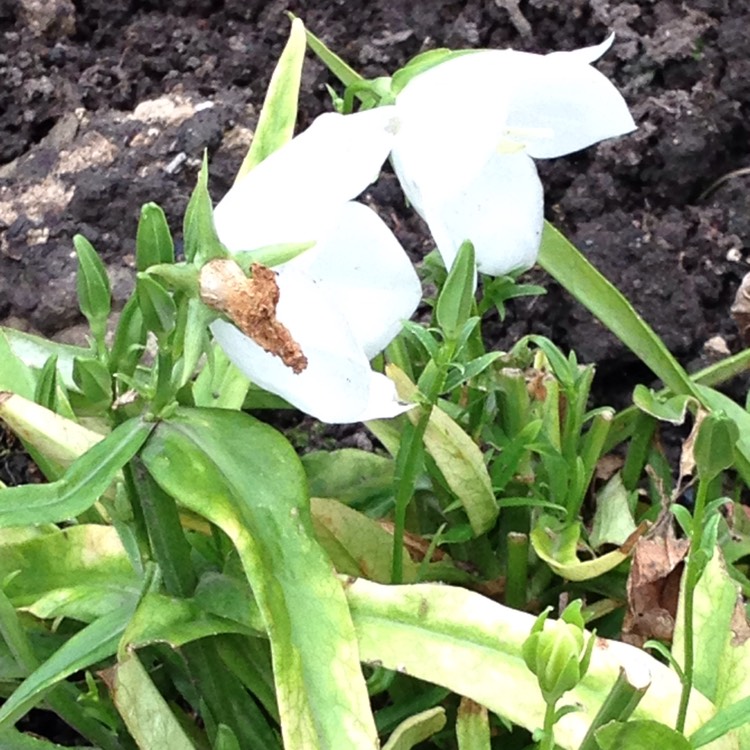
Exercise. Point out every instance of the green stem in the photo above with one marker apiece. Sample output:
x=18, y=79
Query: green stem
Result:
x=516, y=576
x=408, y=465
x=691, y=579
x=548, y=740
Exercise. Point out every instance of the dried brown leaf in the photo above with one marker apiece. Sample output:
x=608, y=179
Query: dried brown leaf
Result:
x=250, y=303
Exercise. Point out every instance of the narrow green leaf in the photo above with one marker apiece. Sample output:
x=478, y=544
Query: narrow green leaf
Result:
x=279, y=113
x=472, y=726
x=129, y=341
x=454, y=304
x=344, y=72
x=574, y=272
x=92, y=283
x=244, y=477
x=459, y=458
x=201, y=241
x=81, y=485
x=94, y=380
x=416, y=729
x=220, y=384
x=153, y=240
x=144, y=710
x=157, y=306
x=728, y=718
x=12, y=739
x=88, y=646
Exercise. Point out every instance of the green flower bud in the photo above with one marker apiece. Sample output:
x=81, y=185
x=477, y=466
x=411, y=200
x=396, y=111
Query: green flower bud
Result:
x=558, y=654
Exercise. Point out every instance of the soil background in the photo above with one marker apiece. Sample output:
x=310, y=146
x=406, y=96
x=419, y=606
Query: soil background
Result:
x=104, y=106
x=107, y=105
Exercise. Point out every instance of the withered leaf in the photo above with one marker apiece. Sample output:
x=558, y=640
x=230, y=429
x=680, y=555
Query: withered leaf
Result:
x=654, y=585
x=250, y=303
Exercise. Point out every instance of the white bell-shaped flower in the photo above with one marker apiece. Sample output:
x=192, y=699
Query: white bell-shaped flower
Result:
x=469, y=129
x=344, y=299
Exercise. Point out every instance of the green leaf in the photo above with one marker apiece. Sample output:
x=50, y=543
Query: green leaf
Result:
x=92, y=283
x=81, y=572
x=153, y=240
x=714, y=445
x=201, y=241
x=57, y=440
x=357, y=478
x=472, y=726
x=458, y=457
x=728, y=718
x=144, y=710
x=157, y=306
x=220, y=384
x=422, y=62
x=671, y=409
x=632, y=734
x=244, y=477
x=276, y=121
x=81, y=485
x=416, y=729
x=456, y=298
x=722, y=662
x=15, y=376
x=344, y=72
x=574, y=272
x=357, y=545
x=129, y=341
x=557, y=544
x=471, y=645
x=12, y=739
x=613, y=520
x=165, y=619
x=88, y=646
x=34, y=351
x=94, y=380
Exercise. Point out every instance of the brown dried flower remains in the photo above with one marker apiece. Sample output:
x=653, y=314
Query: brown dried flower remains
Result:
x=250, y=303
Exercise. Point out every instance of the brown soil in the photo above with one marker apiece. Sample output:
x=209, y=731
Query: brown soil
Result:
x=106, y=106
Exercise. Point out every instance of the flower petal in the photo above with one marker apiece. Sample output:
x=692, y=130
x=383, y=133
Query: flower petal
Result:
x=571, y=103
x=361, y=267
x=289, y=195
x=337, y=385
x=451, y=118
x=586, y=54
x=501, y=212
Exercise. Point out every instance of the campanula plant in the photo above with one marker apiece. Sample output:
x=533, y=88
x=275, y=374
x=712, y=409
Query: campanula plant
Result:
x=184, y=579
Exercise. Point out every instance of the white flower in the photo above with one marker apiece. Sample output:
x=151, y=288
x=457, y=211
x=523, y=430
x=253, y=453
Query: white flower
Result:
x=468, y=130
x=344, y=299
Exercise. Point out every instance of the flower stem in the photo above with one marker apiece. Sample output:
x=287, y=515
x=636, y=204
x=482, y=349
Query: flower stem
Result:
x=548, y=740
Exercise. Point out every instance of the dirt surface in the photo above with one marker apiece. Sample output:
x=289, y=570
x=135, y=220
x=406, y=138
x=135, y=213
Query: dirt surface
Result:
x=104, y=106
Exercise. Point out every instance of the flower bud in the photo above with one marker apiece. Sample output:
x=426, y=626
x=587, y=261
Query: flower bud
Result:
x=558, y=654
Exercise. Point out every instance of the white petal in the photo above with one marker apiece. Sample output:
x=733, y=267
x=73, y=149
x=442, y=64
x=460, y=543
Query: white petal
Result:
x=586, y=54
x=288, y=196
x=383, y=401
x=336, y=385
x=361, y=267
x=451, y=118
x=574, y=103
x=501, y=212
